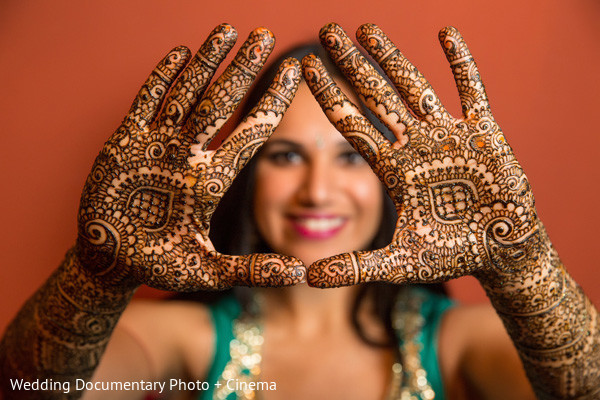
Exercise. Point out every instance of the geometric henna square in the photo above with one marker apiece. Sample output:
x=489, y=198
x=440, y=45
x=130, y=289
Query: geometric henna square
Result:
x=152, y=206
x=451, y=200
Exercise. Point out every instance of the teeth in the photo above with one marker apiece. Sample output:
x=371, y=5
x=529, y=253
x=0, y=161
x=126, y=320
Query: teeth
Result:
x=320, y=224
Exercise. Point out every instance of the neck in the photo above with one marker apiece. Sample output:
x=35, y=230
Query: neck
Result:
x=308, y=311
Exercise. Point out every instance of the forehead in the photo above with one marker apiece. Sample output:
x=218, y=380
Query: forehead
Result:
x=304, y=122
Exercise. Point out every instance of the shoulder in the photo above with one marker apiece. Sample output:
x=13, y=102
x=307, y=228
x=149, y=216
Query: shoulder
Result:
x=176, y=336
x=477, y=355
x=463, y=329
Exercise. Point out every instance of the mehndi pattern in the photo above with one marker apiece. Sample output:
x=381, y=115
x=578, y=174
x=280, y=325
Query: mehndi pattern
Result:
x=465, y=205
x=146, y=206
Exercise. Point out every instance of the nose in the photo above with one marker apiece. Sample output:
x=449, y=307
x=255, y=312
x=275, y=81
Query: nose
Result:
x=318, y=183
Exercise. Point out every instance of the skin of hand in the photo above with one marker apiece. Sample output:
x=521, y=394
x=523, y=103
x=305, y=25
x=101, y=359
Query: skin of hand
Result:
x=146, y=207
x=464, y=204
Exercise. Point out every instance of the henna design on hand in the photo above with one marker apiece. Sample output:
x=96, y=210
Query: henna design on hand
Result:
x=146, y=206
x=464, y=204
x=459, y=191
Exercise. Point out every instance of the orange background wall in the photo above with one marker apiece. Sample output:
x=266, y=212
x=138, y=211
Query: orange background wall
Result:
x=69, y=70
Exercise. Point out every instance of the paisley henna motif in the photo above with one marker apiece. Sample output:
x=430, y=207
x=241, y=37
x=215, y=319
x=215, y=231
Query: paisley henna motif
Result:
x=146, y=207
x=464, y=203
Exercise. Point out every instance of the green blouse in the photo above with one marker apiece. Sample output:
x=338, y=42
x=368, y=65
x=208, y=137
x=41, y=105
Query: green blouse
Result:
x=417, y=320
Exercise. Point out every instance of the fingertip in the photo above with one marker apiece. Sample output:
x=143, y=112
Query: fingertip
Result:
x=218, y=43
x=265, y=35
x=261, y=30
x=373, y=39
x=223, y=36
x=454, y=46
x=309, y=59
x=329, y=27
x=451, y=39
x=256, y=49
x=286, y=81
x=275, y=270
x=289, y=72
x=332, y=272
x=448, y=31
x=291, y=62
x=177, y=58
x=227, y=30
x=366, y=28
x=297, y=270
x=334, y=38
x=183, y=51
x=290, y=69
x=313, y=69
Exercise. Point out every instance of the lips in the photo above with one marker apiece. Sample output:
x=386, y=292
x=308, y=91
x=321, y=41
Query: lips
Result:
x=318, y=227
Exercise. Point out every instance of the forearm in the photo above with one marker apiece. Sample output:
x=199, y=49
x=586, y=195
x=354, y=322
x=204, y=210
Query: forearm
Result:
x=61, y=332
x=552, y=323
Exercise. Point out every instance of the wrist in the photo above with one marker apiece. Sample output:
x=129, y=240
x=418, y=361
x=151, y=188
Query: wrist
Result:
x=79, y=304
x=531, y=283
x=91, y=291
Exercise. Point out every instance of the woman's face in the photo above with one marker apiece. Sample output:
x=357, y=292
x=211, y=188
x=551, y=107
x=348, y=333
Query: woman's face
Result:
x=315, y=196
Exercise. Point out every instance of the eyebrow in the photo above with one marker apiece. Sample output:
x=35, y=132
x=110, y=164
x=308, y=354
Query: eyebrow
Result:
x=286, y=142
x=277, y=141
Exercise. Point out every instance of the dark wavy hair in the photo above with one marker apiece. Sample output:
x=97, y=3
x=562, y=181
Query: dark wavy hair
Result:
x=234, y=230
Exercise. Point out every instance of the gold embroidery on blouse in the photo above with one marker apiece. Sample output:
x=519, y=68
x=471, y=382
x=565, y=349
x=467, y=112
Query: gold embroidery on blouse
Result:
x=408, y=324
x=409, y=381
x=244, y=367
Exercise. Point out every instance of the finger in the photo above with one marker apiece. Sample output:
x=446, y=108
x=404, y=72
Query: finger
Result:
x=211, y=270
x=347, y=118
x=412, y=85
x=371, y=87
x=149, y=98
x=473, y=98
x=223, y=97
x=262, y=120
x=390, y=264
x=353, y=268
x=196, y=77
x=265, y=270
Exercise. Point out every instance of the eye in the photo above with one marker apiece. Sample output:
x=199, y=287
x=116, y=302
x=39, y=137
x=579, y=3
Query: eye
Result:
x=351, y=157
x=284, y=157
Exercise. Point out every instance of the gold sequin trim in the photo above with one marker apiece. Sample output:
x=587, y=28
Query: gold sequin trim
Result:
x=244, y=367
x=408, y=323
x=409, y=382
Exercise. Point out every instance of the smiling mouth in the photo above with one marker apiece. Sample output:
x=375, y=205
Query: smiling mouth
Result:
x=318, y=228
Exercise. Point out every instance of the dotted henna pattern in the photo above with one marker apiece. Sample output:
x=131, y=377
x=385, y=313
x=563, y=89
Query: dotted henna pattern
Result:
x=464, y=203
x=146, y=207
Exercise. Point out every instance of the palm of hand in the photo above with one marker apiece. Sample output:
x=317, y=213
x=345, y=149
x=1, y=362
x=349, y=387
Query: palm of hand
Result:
x=463, y=201
x=146, y=206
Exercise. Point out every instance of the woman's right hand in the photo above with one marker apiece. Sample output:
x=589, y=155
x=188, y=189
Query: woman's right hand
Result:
x=465, y=206
x=146, y=206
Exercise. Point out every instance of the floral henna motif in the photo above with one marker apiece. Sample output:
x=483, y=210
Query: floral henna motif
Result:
x=146, y=208
x=460, y=193
x=464, y=204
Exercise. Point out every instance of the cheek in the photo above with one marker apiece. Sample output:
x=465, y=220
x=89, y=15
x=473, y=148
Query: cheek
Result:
x=271, y=194
x=368, y=197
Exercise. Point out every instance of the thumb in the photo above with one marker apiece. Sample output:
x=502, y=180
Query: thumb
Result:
x=360, y=266
x=261, y=269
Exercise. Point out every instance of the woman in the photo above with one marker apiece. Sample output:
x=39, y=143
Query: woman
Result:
x=147, y=205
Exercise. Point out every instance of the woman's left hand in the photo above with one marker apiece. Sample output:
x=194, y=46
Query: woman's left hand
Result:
x=464, y=203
